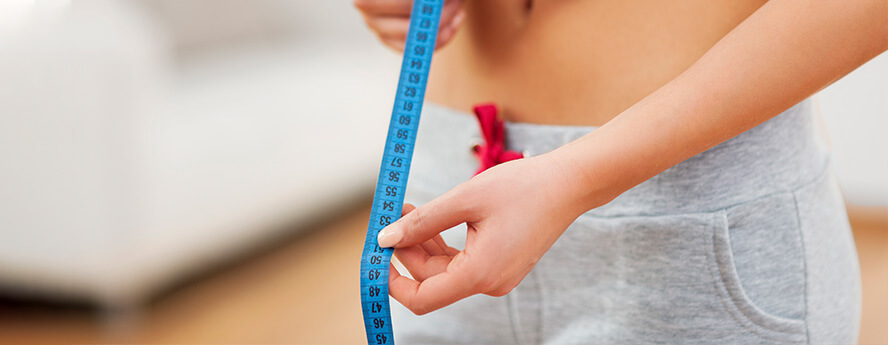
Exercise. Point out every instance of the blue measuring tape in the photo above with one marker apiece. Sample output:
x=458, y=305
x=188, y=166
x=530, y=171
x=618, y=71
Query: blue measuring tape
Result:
x=388, y=200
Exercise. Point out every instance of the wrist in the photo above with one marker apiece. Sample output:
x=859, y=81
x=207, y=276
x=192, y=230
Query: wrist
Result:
x=571, y=183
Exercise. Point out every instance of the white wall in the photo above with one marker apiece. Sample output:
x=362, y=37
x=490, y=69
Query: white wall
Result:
x=855, y=111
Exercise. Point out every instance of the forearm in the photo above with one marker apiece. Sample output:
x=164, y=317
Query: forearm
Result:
x=783, y=53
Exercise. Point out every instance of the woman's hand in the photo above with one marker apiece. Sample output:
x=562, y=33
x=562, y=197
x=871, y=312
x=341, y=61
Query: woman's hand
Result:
x=390, y=19
x=514, y=211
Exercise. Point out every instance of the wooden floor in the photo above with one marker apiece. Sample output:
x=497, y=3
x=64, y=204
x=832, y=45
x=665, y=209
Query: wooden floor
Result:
x=305, y=291
x=871, y=235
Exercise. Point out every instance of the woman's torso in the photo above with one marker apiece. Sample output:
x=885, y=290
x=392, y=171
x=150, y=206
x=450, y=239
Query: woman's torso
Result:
x=575, y=62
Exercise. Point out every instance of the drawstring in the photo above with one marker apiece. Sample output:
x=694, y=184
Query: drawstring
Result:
x=493, y=151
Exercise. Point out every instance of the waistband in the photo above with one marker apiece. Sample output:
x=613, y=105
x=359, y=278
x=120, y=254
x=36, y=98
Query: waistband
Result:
x=780, y=155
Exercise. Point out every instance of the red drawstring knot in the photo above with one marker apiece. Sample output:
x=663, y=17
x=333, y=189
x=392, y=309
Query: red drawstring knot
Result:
x=493, y=151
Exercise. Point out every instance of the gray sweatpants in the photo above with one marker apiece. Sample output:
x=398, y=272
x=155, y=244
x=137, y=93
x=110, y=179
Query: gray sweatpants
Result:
x=746, y=243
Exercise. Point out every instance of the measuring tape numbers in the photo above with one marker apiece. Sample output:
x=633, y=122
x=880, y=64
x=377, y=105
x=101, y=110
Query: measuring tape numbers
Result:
x=388, y=200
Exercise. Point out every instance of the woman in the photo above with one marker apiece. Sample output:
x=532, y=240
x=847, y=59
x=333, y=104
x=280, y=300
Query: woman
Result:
x=672, y=176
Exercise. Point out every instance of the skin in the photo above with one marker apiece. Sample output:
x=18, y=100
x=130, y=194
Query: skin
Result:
x=658, y=105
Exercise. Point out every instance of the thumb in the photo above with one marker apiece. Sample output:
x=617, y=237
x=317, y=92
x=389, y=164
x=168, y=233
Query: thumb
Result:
x=424, y=222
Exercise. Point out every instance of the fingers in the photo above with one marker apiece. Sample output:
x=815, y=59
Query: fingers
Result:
x=390, y=20
x=430, y=247
x=449, y=14
x=425, y=222
x=391, y=28
x=451, y=17
x=445, y=35
x=423, y=262
x=420, y=264
x=402, y=8
x=448, y=250
x=435, y=246
x=407, y=208
x=385, y=7
x=437, y=291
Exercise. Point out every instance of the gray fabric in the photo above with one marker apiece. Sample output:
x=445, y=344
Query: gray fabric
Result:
x=746, y=243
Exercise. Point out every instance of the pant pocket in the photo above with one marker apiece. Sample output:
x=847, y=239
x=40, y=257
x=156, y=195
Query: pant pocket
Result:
x=633, y=280
x=652, y=279
x=758, y=263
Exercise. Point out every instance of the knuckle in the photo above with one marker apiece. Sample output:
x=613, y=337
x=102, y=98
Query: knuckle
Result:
x=463, y=198
x=419, y=309
x=414, y=220
x=484, y=283
x=462, y=191
x=499, y=288
x=501, y=291
x=505, y=289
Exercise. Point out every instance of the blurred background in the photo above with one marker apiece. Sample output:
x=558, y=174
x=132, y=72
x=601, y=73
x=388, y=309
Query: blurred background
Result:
x=200, y=171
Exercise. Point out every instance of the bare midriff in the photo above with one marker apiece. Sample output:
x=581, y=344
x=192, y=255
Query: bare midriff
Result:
x=575, y=62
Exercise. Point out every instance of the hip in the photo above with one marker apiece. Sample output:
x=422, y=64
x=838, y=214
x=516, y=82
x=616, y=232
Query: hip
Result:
x=747, y=242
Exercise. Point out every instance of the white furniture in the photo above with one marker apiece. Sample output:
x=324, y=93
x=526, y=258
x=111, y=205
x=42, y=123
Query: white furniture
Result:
x=129, y=160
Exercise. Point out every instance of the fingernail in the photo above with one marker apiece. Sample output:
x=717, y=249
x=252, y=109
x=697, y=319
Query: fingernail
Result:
x=389, y=237
x=457, y=19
